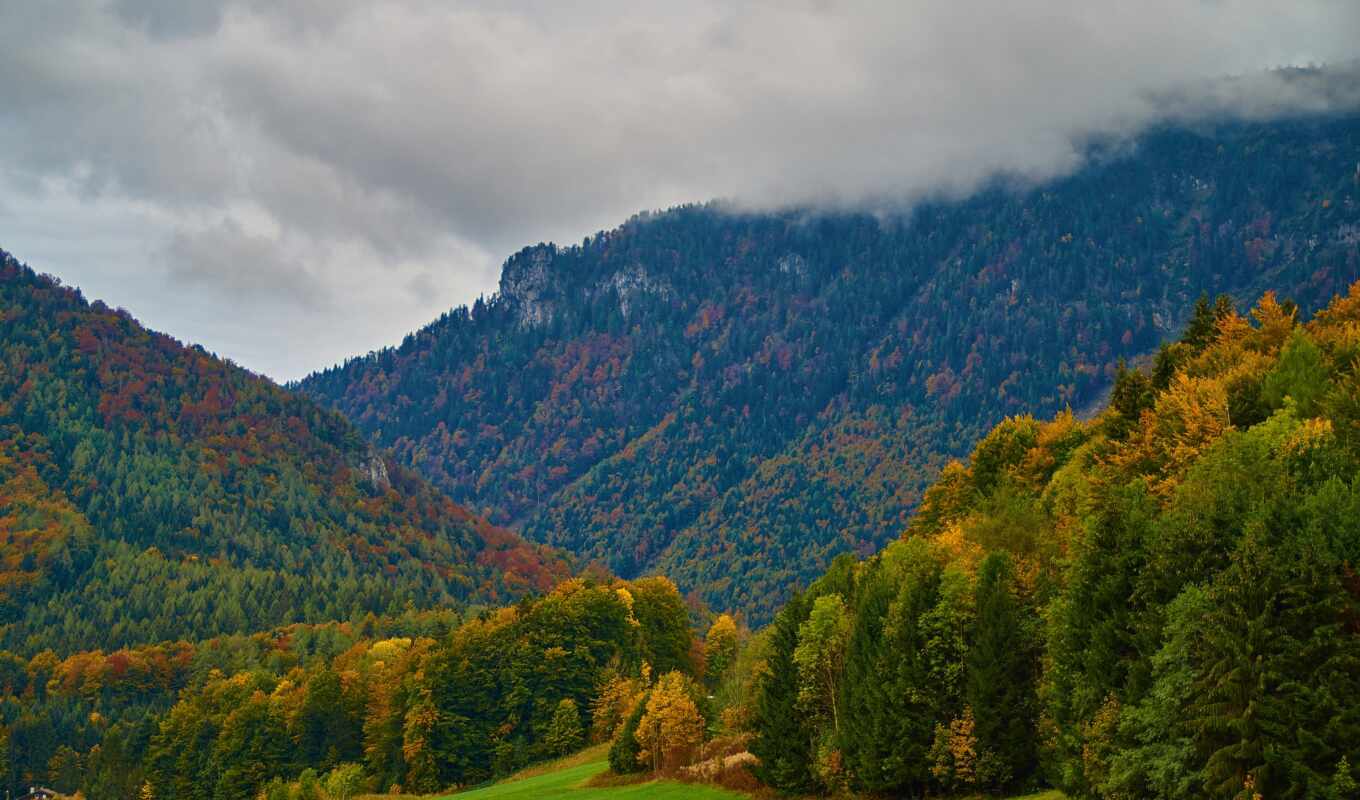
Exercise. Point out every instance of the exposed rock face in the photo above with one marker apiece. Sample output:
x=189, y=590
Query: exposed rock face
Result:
x=526, y=283
x=793, y=264
x=538, y=293
x=632, y=283
x=375, y=470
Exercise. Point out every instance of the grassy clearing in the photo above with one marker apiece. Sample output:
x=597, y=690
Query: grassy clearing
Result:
x=570, y=778
x=567, y=782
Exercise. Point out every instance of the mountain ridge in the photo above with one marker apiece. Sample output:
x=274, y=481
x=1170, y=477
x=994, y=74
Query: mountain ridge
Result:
x=153, y=492
x=595, y=402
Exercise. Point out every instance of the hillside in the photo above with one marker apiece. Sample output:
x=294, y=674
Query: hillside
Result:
x=735, y=398
x=1158, y=603
x=150, y=491
x=425, y=701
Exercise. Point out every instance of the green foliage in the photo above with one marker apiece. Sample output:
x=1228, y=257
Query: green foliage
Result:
x=344, y=782
x=820, y=657
x=1153, y=605
x=1301, y=375
x=1132, y=394
x=660, y=611
x=623, y=751
x=891, y=700
x=783, y=738
x=152, y=492
x=1003, y=664
x=1159, y=760
x=564, y=734
x=734, y=399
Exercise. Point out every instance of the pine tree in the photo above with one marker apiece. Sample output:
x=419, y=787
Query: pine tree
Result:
x=782, y=742
x=1002, y=667
x=623, y=753
x=866, y=736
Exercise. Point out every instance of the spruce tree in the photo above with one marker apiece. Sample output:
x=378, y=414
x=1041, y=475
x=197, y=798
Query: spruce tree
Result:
x=783, y=742
x=623, y=753
x=1002, y=667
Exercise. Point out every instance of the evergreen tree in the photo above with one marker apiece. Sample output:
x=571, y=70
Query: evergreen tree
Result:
x=623, y=752
x=782, y=741
x=564, y=734
x=1002, y=667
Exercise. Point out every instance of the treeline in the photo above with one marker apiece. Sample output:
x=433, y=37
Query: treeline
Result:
x=448, y=704
x=1161, y=602
x=151, y=492
x=733, y=399
x=86, y=719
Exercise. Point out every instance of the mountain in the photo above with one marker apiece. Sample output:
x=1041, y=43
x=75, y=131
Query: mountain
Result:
x=150, y=491
x=734, y=398
x=1160, y=602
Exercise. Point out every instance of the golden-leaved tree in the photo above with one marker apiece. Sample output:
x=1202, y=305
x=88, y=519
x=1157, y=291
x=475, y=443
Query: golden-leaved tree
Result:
x=672, y=728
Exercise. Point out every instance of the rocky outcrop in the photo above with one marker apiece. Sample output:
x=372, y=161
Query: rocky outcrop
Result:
x=374, y=470
x=526, y=285
x=631, y=284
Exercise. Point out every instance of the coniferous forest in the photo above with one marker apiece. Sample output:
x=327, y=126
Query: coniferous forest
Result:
x=1055, y=486
x=733, y=399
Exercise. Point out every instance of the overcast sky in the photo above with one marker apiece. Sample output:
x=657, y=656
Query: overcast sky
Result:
x=289, y=182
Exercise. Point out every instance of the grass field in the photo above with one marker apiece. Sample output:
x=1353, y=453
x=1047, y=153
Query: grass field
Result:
x=566, y=783
x=566, y=779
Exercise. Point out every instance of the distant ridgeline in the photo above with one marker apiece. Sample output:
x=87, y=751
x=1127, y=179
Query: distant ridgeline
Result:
x=735, y=398
x=150, y=491
x=1159, y=603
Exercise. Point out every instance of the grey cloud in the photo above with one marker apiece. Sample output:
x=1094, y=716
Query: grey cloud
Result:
x=371, y=159
x=171, y=18
x=242, y=267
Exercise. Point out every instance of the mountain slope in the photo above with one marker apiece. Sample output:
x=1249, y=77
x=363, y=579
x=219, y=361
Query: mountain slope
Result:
x=150, y=491
x=735, y=398
x=1160, y=602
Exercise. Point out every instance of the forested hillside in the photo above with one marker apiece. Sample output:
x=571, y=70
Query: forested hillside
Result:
x=423, y=702
x=1158, y=602
x=735, y=398
x=149, y=491
x=1161, y=602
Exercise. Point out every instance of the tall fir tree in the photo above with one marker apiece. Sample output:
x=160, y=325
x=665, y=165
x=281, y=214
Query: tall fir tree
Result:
x=783, y=743
x=1002, y=666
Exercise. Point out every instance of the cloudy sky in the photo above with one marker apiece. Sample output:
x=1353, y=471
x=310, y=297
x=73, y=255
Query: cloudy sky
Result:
x=289, y=182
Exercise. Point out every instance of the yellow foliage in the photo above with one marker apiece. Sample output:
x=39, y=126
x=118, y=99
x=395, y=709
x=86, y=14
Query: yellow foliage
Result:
x=954, y=753
x=671, y=729
x=611, y=707
x=1274, y=324
x=626, y=597
x=1342, y=310
x=388, y=649
x=1311, y=434
x=958, y=549
x=568, y=587
x=1189, y=416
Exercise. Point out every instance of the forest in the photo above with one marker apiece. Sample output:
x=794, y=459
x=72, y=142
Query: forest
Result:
x=972, y=500
x=417, y=704
x=152, y=492
x=1159, y=601
x=733, y=399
